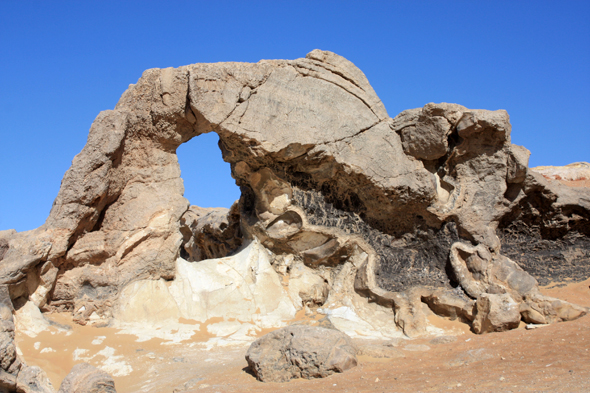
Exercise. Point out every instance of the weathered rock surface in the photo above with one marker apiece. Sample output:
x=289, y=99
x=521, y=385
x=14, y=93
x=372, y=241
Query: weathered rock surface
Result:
x=379, y=349
x=572, y=172
x=242, y=290
x=363, y=217
x=15, y=375
x=300, y=352
x=496, y=313
x=210, y=233
x=85, y=378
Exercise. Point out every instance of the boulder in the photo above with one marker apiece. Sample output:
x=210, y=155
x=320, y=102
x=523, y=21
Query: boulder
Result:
x=210, y=233
x=33, y=380
x=496, y=313
x=300, y=351
x=85, y=378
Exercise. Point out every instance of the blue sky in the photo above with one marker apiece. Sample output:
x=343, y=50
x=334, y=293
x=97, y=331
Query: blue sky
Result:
x=63, y=62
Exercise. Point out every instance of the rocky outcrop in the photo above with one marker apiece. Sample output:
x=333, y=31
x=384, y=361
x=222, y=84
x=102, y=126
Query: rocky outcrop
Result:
x=210, y=233
x=85, y=378
x=576, y=172
x=363, y=217
x=300, y=352
x=547, y=232
x=243, y=292
x=15, y=375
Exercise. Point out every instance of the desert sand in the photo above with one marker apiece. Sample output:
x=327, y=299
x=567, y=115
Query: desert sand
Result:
x=552, y=358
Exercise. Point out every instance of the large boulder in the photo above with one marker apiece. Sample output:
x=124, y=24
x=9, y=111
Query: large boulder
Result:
x=33, y=380
x=300, y=351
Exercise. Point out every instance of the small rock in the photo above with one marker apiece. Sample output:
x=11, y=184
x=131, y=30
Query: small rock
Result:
x=32, y=379
x=496, y=313
x=532, y=326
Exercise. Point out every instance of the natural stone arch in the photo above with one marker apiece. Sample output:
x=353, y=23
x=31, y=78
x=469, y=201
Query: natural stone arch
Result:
x=325, y=174
x=121, y=201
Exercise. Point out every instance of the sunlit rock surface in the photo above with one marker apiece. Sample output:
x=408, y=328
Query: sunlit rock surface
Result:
x=369, y=220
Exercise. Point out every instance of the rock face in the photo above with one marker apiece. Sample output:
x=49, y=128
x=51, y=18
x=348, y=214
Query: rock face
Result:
x=362, y=216
x=210, y=232
x=15, y=375
x=300, y=352
x=243, y=287
x=496, y=313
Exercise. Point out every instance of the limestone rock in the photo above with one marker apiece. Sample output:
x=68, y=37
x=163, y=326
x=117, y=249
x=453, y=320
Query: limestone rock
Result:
x=496, y=313
x=572, y=172
x=443, y=340
x=518, y=163
x=342, y=207
x=85, y=378
x=379, y=349
x=451, y=304
x=243, y=287
x=300, y=352
x=210, y=232
x=425, y=132
x=33, y=380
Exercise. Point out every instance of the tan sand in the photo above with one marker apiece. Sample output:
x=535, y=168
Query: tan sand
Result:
x=554, y=358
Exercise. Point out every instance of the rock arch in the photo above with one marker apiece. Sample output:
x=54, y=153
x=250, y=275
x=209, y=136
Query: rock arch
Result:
x=398, y=210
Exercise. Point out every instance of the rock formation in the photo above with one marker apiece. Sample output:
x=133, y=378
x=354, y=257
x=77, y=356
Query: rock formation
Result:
x=578, y=171
x=15, y=375
x=85, y=378
x=300, y=352
x=344, y=209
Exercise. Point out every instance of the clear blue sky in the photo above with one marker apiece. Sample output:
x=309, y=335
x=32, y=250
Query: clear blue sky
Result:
x=62, y=62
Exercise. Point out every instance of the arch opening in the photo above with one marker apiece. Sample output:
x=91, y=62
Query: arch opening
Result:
x=210, y=227
x=207, y=178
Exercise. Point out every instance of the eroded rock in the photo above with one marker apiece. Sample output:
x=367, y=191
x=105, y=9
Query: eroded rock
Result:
x=496, y=313
x=362, y=217
x=85, y=378
x=210, y=233
x=300, y=352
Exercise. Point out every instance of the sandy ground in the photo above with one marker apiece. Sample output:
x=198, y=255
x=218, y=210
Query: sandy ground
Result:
x=576, y=183
x=554, y=358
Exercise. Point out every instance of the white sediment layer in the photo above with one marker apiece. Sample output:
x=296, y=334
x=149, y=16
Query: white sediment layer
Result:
x=241, y=293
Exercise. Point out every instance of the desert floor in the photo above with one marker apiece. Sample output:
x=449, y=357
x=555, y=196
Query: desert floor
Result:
x=554, y=358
